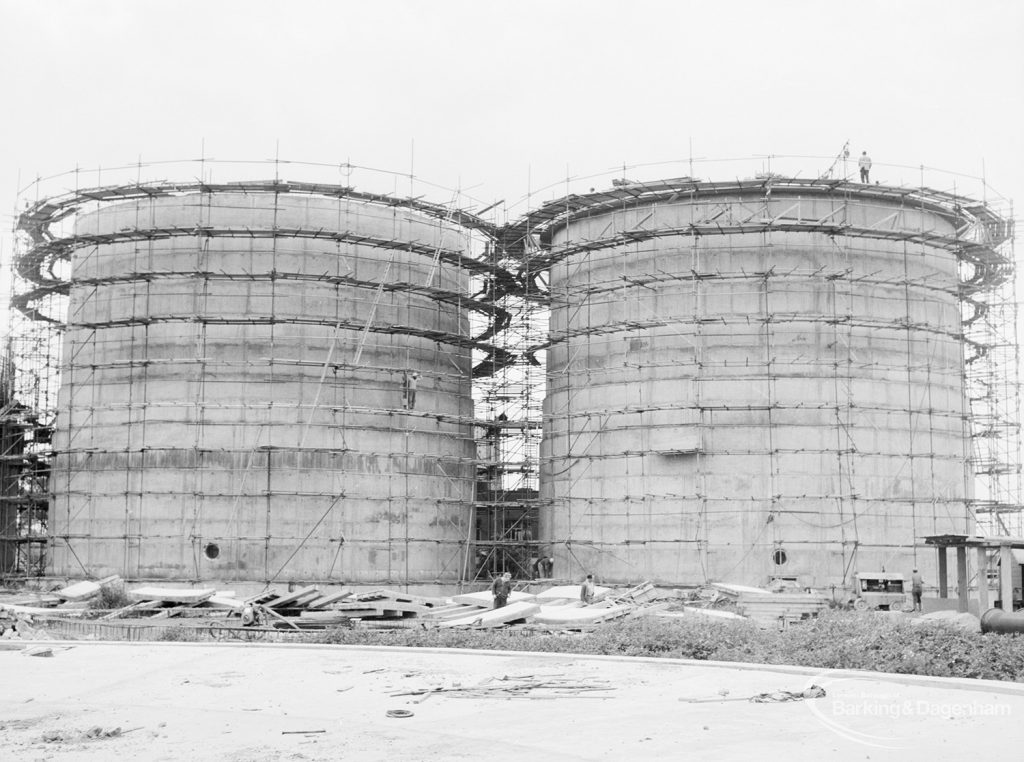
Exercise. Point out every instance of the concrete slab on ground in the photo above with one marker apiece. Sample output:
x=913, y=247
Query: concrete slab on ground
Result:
x=234, y=702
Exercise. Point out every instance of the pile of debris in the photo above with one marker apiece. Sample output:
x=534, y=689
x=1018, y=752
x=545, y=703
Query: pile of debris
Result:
x=557, y=607
x=308, y=608
x=302, y=609
x=768, y=608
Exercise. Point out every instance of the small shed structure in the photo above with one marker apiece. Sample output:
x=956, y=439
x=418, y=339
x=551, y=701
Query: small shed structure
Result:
x=1009, y=552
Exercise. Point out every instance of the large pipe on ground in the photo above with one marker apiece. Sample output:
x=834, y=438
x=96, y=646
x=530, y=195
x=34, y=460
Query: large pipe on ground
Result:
x=997, y=620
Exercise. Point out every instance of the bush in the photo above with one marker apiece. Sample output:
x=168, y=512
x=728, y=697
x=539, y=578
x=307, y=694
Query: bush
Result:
x=110, y=597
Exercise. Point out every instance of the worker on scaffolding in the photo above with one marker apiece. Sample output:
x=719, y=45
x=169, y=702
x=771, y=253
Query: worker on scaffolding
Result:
x=547, y=567
x=501, y=588
x=409, y=384
x=865, y=166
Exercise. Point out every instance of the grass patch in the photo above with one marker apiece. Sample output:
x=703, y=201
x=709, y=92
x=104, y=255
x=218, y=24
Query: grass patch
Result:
x=836, y=640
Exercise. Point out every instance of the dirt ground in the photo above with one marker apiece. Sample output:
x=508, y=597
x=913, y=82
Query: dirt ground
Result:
x=186, y=701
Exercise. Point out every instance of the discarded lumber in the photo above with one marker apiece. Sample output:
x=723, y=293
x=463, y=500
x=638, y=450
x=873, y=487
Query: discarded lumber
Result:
x=286, y=600
x=37, y=611
x=484, y=599
x=513, y=612
x=170, y=595
x=223, y=602
x=570, y=593
x=393, y=607
x=327, y=600
x=691, y=611
x=767, y=608
x=640, y=594
x=651, y=609
x=83, y=591
x=564, y=615
x=275, y=615
x=418, y=600
x=455, y=611
x=139, y=606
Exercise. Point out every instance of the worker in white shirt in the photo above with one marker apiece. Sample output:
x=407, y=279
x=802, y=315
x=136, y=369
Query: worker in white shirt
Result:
x=865, y=166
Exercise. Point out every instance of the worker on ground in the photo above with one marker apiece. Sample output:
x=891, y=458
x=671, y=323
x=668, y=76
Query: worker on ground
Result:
x=916, y=588
x=411, y=382
x=501, y=588
x=587, y=590
x=865, y=166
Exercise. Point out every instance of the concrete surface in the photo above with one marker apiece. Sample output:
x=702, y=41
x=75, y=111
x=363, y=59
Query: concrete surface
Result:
x=246, y=702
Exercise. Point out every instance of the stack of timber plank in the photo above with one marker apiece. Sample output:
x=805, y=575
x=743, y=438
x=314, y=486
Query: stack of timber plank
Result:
x=307, y=608
x=768, y=609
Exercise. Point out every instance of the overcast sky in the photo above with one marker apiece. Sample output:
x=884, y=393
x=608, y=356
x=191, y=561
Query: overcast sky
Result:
x=501, y=98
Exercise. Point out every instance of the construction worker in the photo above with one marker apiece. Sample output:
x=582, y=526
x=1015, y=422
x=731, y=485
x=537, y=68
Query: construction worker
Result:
x=916, y=588
x=547, y=567
x=587, y=590
x=411, y=381
x=865, y=166
x=501, y=588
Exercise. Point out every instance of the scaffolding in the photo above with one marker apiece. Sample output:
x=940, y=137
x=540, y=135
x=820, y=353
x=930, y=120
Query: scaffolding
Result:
x=786, y=312
x=206, y=297
x=507, y=508
x=610, y=304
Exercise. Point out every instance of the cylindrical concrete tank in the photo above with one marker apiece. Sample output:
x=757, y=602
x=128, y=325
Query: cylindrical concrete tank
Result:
x=236, y=400
x=755, y=379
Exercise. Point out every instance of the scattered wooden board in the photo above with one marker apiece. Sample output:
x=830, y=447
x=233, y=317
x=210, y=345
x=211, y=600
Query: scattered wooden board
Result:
x=140, y=606
x=15, y=608
x=735, y=590
x=484, y=599
x=327, y=600
x=82, y=591
x=692, y=611
x=420, y=600
x=651, y=609
x=224, y=602
x=495, y=617
x=380, y=605
x=569, y=592
x=456, y=611
x=284, y=601
x=587, y=615
x=169, y=594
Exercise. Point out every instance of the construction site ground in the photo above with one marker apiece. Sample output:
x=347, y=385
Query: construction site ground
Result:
x=81, y=700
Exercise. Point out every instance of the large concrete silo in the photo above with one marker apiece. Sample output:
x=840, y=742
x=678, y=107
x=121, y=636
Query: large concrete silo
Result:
x=757, y=379
x=234, y=396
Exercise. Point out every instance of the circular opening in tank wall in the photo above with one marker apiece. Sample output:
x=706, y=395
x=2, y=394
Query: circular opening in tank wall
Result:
x=779, y=557
x=212, y=550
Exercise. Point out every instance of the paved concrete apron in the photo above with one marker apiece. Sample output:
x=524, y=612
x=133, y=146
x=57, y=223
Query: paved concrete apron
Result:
x=252, y=702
